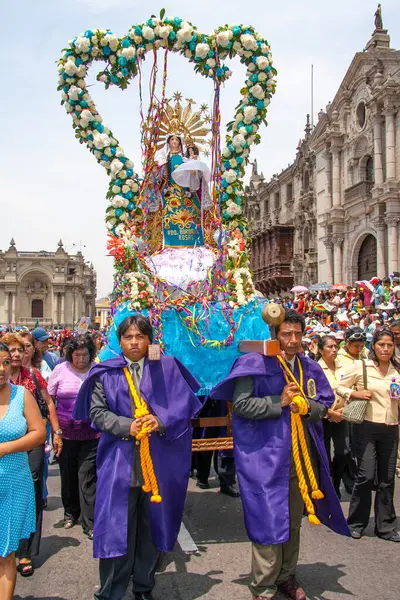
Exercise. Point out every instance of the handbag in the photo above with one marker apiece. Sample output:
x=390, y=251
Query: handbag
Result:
x=44, y=409
x=354, y=412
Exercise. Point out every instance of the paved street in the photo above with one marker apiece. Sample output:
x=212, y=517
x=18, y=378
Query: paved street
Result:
x=331, y=567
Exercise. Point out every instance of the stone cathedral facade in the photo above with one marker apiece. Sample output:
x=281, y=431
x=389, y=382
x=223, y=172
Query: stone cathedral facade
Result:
x=55, y=289
x=333, y=215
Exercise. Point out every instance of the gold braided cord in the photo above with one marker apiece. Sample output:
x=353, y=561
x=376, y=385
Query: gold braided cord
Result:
x=299, y=444
x=142, y=438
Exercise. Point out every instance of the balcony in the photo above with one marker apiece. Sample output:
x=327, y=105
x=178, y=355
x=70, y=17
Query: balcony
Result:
x=359, y=191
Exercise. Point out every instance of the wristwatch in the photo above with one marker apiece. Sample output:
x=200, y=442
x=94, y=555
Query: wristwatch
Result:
x=58, y=432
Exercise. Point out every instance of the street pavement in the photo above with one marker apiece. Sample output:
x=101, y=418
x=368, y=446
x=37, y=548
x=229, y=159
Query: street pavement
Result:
x=331, y=567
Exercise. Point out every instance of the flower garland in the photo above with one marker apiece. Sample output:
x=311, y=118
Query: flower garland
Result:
x=122, y=56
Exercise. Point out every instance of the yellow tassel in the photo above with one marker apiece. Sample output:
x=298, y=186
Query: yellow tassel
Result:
x=141, y=410
x=314, y=520
x=299, y=443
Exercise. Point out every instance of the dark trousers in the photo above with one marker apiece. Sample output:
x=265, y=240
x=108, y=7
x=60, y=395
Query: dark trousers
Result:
x=375, y=447
x=30, y=547
x=78, y=480
x=339, y=435
x=139, y=563
x=224, y=467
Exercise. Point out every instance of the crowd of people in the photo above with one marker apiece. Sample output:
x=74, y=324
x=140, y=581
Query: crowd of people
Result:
x=340, y=351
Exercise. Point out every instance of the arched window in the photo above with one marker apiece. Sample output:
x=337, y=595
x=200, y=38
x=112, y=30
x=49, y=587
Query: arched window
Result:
x=37, y=309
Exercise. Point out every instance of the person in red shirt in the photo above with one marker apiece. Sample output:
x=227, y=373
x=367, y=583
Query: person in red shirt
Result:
x=301, y=304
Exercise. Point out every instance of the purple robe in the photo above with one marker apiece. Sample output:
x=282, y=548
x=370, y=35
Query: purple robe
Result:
x=169, y=389
x=262, y=450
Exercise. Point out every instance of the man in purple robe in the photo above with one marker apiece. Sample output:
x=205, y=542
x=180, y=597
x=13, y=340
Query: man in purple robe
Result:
x=269, y=486
x=129, y=530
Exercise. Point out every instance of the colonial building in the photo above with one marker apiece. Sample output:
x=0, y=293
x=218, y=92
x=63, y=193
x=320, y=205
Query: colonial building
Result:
x=103, y=311
x=341, y=196
x=54, y=288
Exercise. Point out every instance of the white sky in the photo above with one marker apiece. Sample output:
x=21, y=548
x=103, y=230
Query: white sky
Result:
x=52, y=188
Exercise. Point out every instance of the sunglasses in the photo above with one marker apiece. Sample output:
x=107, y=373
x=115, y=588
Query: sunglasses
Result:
x=357, y=337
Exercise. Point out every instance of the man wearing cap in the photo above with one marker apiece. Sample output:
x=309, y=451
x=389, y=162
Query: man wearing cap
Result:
x=49, y=359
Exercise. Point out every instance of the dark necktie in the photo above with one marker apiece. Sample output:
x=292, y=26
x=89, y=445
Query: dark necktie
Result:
x=135, y=370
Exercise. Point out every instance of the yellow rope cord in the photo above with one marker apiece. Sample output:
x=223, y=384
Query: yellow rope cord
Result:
x=142, y=438
x=299, y=443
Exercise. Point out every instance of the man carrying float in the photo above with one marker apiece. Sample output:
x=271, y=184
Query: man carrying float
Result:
x=282, y=467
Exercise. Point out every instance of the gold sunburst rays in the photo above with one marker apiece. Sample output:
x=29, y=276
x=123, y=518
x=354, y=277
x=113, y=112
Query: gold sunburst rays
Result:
x=194, y=125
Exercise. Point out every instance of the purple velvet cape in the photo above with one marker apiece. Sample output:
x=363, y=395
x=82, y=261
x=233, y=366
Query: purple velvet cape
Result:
x=263, y=452
x=168, y=388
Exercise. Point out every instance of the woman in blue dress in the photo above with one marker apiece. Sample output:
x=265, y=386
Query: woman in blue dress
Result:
x=21, y=429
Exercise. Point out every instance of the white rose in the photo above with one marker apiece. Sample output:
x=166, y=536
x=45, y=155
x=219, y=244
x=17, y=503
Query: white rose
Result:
x=270, y=84
x=107, y=152
x=233, y=162
x=111, y=223
x=86, y=115
x=81, y=72
x=70, y=67
x=262, y=76
x=249, y=113
x=82, y=44
x=188, y=53
x=185, y=34
x=125, y=189
x=238, y=141
x=129, y=164
x=163, y=32
x=135, y=187
x=74, y=92
x=116, y=166
x=243, y=131
x=226, y=152
x=223, y=38
x=237, y=46
x=230, y=176
x=257, y=91
x=68, y=107
x=128, y=53
x=251, y=67
x=211, y=62
x=101, y=140
x=248, y=41
x=120, y=229
x=112, y=59
x=115, y=189
x=147, y=33
x=262, y=62
x=80, y=83
x=95, y=51
x=119, y=151
x=103, y=78
x=122, y=174
x=202, y=50
x=117, y=201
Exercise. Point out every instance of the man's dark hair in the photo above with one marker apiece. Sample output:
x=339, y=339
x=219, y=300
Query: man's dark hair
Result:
x=292, y=316
x=80, y=342
x=395, y=323
x=138, y=321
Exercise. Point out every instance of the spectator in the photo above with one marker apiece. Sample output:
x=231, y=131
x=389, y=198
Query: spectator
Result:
x=354, y=348
x=21, y=430
x=336, y=430
x=78, y=459
x=376, y=439
x=31, y=380
x=49, y=359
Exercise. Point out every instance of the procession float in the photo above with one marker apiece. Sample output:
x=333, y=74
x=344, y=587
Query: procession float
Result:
x=177, y=231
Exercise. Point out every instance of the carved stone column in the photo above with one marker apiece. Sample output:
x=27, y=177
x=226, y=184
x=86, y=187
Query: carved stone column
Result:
x=380, y=248
x=13, y=306
x=378, y=161
x=337, y=258
x=392, y=225
x=327, y=173
x=390, y=144
x=329, y=261
x=62, y=311
x=335, y=176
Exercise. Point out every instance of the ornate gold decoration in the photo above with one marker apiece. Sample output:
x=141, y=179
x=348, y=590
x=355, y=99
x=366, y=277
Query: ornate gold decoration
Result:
x=181, y=119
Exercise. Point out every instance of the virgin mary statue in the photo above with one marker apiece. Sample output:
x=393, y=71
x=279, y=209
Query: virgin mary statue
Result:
x=178, y=202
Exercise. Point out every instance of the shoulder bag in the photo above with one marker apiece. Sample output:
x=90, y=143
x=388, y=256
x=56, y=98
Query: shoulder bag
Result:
x=44, y=410
x=355, y=410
